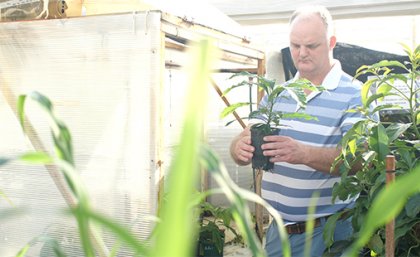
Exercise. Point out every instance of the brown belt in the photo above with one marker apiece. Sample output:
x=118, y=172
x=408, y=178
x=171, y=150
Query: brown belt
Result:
x=300, y=227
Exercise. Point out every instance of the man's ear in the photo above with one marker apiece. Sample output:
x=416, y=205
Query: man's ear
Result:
x=333, y=41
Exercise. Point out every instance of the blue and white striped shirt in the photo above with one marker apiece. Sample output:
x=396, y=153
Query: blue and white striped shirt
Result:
x=289, y=188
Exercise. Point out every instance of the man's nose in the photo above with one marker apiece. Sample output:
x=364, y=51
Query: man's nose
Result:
x=303, y=51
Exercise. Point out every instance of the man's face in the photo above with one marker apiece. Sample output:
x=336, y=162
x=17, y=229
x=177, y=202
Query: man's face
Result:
x=310, y=46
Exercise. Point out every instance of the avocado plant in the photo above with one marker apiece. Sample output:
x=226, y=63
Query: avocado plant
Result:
x=266, y=119
x=395, y=98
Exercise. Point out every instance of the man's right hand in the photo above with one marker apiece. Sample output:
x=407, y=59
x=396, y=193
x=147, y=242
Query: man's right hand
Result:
x=241, y=149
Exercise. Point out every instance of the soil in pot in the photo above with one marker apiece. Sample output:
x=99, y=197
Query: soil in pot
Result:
x=259, y=161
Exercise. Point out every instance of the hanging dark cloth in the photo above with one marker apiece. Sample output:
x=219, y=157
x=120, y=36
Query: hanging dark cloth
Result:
x=351, y=58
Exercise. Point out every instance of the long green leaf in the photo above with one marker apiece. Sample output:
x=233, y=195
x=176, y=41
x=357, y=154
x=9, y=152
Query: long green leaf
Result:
x=23, y=251
x=386, y=63
x=51, y=243
x=237, y=197
x=310, y=224
x=64, y=151
x=373, y=98
x=21, y=110
x=123, y=233
x=3, y=161
x=230, y=109
x=329, y=230
x=365, y=91
x=298, y=115
x=37, y=158
x=174, y=233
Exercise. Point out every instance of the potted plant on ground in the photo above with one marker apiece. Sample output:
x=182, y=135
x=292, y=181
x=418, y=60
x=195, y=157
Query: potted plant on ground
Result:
x=370, y=141
x=214, y=223
x=269, y=119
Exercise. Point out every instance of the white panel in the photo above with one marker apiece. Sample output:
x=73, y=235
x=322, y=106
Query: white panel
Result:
x=102, y=73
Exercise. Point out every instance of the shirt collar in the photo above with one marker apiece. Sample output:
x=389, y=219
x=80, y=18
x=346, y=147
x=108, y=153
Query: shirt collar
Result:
x=333, y=77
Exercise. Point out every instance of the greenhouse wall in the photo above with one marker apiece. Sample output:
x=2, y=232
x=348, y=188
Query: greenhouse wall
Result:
x=102, y=74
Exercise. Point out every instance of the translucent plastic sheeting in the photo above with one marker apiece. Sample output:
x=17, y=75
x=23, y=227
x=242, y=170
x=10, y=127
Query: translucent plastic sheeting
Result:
x=102, y=73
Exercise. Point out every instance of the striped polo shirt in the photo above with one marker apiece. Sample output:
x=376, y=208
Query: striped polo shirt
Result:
x=289, y=188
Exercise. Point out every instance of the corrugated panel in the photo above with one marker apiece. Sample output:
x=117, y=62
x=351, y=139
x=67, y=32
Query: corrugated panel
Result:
x=102, y=73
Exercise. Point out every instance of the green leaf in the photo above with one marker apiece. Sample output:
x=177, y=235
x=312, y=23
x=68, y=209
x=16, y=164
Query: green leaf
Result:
x=49, y=245
x=378, y=141
x=407, y=49
x=392, y=77
x=42, y=100
x=23, y=251
x=412, y=207
x=230, y=109
x=384, y=89
x=21, y=109
x=386, y=63
x=309, y=227
x=329, y=229
x=266, y=84
x=394, y=130
x=353, y=146
x=376, y=244
x=6, y=198
x=241, y=84
x=361, y=70
x=373, y=98
x=123, y=233
x=37, y=158
x=365, y=91
x=384, y=107
x=237, y=198
x=174, y=233
x=298, y=115
x=403, y=229
x=275, y=93
x=3, y=160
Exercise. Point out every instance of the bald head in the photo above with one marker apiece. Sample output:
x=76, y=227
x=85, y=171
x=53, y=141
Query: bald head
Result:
x=308, y=12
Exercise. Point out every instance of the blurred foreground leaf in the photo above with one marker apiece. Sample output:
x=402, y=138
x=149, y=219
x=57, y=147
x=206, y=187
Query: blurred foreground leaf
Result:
x=174, y=235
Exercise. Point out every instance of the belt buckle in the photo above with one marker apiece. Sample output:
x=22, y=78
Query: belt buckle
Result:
x=301, y=227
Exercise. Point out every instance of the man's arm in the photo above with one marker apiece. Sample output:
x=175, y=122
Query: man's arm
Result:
x=321, y=159
x=286, y=149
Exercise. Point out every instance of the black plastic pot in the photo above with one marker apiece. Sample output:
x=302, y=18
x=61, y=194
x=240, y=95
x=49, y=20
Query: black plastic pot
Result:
x=259, y=161
x=207, y=248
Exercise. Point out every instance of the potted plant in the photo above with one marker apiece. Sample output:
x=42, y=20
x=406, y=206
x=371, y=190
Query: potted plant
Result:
x=368, y=143
x=267, y=119
x=214, y=223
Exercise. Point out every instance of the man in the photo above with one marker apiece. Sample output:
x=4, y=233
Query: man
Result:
x=304, y=151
